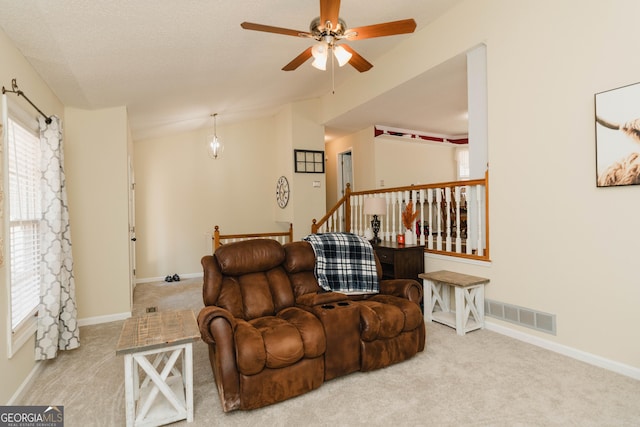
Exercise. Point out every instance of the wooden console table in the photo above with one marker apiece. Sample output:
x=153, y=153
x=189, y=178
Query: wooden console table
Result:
x=165, y=335
x=400, y=261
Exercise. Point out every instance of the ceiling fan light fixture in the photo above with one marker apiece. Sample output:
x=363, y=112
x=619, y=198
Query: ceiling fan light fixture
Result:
x=320, y=52
x=341, y=55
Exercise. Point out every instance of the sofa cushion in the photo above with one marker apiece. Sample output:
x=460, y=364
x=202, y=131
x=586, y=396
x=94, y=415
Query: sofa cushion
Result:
x=249, y=256
x=248, y=279
x=278, y=341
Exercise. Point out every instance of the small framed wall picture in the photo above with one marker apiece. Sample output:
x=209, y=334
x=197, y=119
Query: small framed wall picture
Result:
x=308, y=161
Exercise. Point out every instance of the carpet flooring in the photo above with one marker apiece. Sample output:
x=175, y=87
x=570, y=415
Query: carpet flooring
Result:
x=481, y=379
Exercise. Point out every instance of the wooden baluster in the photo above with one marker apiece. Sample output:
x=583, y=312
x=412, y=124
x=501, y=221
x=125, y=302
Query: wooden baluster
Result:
x=456, y=196
x=385, y=219
x=479, y=214
x=355, y=216
x=366, y=218
x=361, y=216
x=422, y=200
x=392, y=209
x=468, y=199
x=414, y=235
x=430, y=235
x=405, y=200
x=439, y=213
x=447, y=196
x=399, y=226
x=352, y=216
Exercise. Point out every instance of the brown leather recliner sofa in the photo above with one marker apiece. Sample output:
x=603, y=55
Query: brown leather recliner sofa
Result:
x=273, y=333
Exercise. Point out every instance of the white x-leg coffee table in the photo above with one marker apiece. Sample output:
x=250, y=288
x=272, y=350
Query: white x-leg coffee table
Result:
x=469, y=300
x=154, y=343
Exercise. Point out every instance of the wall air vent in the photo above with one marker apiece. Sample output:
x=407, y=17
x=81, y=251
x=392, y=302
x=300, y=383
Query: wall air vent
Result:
x=526, y=317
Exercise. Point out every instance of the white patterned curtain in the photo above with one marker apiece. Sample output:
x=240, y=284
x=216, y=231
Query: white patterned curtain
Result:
x=57, y=313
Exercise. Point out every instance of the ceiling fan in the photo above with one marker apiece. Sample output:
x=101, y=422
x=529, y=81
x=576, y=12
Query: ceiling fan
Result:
x=328, y=29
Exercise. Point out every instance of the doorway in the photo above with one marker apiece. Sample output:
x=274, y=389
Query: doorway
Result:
x=345, y=172
x=132, y=231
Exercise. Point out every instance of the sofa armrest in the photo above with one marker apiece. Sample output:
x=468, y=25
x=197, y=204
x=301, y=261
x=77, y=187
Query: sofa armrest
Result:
x=409, y=289
x=217, y=328
x=206, y=317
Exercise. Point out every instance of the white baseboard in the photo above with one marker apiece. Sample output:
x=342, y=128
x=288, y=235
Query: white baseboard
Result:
x=104, y=319
x=160, y=279
x=19, y=394
x=592, y=359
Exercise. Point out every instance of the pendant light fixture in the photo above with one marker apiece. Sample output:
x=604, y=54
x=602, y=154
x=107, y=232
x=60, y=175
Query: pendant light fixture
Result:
x=214, y=146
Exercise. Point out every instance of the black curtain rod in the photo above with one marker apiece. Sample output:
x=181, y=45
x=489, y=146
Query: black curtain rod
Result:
x=14, y=89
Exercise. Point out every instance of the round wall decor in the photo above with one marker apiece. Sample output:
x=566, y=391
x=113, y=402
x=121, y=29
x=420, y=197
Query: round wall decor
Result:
x=282, y=192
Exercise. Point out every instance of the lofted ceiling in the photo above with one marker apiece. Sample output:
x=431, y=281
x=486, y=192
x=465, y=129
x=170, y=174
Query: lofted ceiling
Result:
x=174, y=63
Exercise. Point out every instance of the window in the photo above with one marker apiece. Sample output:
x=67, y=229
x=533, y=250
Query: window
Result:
x=23, y=176
x=462, y=162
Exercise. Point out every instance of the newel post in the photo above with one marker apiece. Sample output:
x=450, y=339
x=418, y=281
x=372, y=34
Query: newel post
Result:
x=347, y=208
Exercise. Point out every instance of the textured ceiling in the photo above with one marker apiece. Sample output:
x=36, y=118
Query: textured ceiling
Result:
x=173, y=63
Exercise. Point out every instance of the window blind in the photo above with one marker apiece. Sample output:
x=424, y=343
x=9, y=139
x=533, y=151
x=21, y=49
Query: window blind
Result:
x=462, y=159
x=25, y=212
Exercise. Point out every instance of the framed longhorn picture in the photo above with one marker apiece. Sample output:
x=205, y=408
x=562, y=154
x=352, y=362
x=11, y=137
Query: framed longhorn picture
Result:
x=618, y=136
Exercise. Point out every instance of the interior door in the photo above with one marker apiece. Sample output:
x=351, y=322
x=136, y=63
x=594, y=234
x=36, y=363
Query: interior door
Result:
x=132, y=231
x=345, y=161
x=346, y=172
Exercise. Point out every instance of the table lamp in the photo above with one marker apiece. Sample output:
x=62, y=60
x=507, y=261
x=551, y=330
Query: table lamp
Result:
x=375, y=206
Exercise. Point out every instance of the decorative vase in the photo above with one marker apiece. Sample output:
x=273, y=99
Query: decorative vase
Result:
x=368, y=234
x=408, y=237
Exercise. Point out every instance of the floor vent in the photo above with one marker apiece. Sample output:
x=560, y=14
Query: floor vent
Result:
x=526, y=317
x=152, y=309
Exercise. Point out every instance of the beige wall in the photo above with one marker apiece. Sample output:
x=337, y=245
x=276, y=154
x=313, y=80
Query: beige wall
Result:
x=308, y=202
x=363, y=157
x=558, y=243
x=96, y=170
x=395, y=161
x=181, y=194
x=14, y=66
x=399, y=162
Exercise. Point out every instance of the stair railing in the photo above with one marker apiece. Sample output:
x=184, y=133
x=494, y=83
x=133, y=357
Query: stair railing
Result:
x=452, y=216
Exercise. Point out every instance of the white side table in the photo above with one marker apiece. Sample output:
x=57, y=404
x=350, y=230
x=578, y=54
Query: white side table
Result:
x=166, y=392
x=469, y=300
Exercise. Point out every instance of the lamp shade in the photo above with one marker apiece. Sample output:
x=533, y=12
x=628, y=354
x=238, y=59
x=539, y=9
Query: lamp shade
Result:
x=341, y=55
x=319, y=53
x=375, y=206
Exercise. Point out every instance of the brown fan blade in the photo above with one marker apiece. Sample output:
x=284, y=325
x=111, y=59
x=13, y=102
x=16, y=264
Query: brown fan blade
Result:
x=380, y=30
x=276, y=30
x=329, y=10
x=298, y=60
x=357, y=61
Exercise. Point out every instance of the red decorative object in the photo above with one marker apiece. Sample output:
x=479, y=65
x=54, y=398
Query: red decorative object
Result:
x=379, y=131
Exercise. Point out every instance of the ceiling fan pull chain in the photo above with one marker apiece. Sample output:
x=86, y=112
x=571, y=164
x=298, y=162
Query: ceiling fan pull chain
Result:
x=333, y=74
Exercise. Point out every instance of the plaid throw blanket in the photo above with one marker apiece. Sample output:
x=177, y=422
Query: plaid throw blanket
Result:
x=344, y=263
